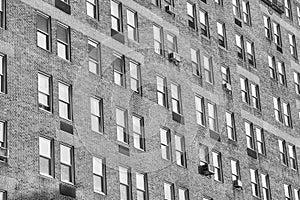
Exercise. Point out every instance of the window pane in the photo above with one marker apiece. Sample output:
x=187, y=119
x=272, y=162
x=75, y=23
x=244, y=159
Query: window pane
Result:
x=44, y=147
x=120, y=116
x=140, y=182
x=123, y=173
x=97, y=166
x=65, y=154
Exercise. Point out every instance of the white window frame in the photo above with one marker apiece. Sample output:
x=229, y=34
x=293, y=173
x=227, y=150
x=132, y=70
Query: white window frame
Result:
x=161, y=91
x=165, y=143
x=212, y=116
x=180, y=150
x=69, y=165
x=65, y=102
x=138, y=132
x=133, y=35
x=122, y=126
x=176, y=98
x=96, y=115
x=254, y=182
x=217, y=163
x=63, y=44
x=200, y=110
x=99, y=175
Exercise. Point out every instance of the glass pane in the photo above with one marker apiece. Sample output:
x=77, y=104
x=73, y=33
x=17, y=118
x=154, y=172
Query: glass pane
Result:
x=167, y=189
x=123, y=174
x=97, y=166
x=178, y=143
x=206, y=62
x=181, y=194
x=163, y=136
x=90, y=10
x=140, y=195
x=63, y=110
x=220, y=28
x=202, y=17
x=174, y=90
x=140, y=182
x=65, y=173
x=43, y=83
x=45, y=166
x=124, y=192
x=114, y=9
x=118, y=78
x=93, y=67
x=190, y=9
x=133, y=70
x=95, y=106
x=62, y=34
x=97, y=183
x=93, y=50
x=156, y=31
x=137, y=141
x=43, y=99
x=120, y=134
x=120, y=117
x=131, y=18
x=65, y=155
x=45, y=147
x=1, y=132
x=62, y=50
x=95, y=122
x=136, y=124
x=160, y=84
x=42, y=40
x=215, y=157
x=42, y=23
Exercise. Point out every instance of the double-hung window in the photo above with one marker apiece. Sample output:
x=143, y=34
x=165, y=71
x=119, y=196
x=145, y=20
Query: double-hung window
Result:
x=225, y=71
x=46, y=156
x=121, y=122
x=283, y=152
x=240, y=46
x=3, y=141
x=265, y=184
x=97, y=114
x=2, y=13
x=288, y=9
x=2, y=73
x=235, y=170
x=219, y=2
x=94, y=57
x=125, y=183
x=298, y=15
x=281, y=73
x=183, y=194
x=92, y=8
x=132, y=25
x=255, y=96
x=230, y=126
x=3, y=195
x=203, y=154
x=246, y=12
x=267, y=25
x=195, y=62
x=245, y=90
x=138, y=132
x=204, y=28
x=277, y=34
x=287, y=117
x=63, y=41
x=297, y=194
x=99, y=181
x=161, y=91
x=66, y=163
x=212, y=116
x=217, y=163
x=260, y=141
x=272, y=67
x=175, y=94
x=119, y=69
x=191, y=13
x=254, y=182
x=169, y=192
x=64, y=95
x=171, y=43
x=135, y=77
x=208, y=69
x=292, y=157
x=180, y=150
x=158, y=39
x=249, y=135
x=297, y=82
x=293, y=47
x=250, y=53
x=141, y=186
x=287, y=192
x=43, y=31
x=200, y=114
x=156, y=2
x=116, y=16
x=236, y=8
x=221, y=34
x=165, y=143
x=277, y=109
x=44, y=92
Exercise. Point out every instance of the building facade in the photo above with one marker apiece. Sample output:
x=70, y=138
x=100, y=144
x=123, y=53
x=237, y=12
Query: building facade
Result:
x=149, y=99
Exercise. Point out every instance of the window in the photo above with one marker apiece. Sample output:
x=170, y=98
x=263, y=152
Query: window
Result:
x=191, y=13
x=121, y=121
x=2, y=13
x=63, y=41
x=219, y=2
x=225, y=75
x=64, y=95
x=3, y=195
x=236, y=8
x=283, y=152
x=183, y=194
x=125, y=183
x=254, y=182
x=204, y=29
x=96, y=114
x=66, y=164
x=2, y=73
x=119, y=70
x=203, y=154
x=180, y=150
x=165, y=143
x=132, y=25
x=260, y=141
x=169, y=191
x=235, y=170
x=212, y=116
x=43, y=31
x=297, y=82
x=170, y=2
x=99, y=181
x=200, y=114
x=240, y=46
x=195, y=62
x=265, y=184
x=175, y=93
x=116, y=16
x=161, y=91
x=255, y=96
x=298, y=18
x=171, y=43
x=267, y=25
x=46, y=156
x=246, y=12
x=287, y=192
x=272, y=67
x=287, y=117
x=292, y=41
x=208, y=69
x=292, y=157
x=297, y=194
x=3, y=136
x=277, y=109
x=230, y=126
x=250, y=52
x=138, y=132
x=92, y=8
x=277, y=34
x=287, y=9
x=217, y=163
x=135, y=77
x=94, y=57
x=281, y=73
x=249, y=135
x=44, y=92
x=157, y=31
x=221, y=34
x=141, y=186
x=156, y=2
x=245, y=90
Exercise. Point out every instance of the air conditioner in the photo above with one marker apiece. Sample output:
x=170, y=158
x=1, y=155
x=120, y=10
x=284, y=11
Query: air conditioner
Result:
x=238, y=184
x=174, y=57
x=170, y=9
x=206, y=169
x=227, y=86
x=4, y=153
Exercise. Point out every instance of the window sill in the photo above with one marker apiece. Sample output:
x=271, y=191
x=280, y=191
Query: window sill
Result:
x=97, y=132
x=68, y=183
x=61, y=58
x=46, y=176
x=67, y=120
x=46, y=50
x=45, y=111
x=100, y=193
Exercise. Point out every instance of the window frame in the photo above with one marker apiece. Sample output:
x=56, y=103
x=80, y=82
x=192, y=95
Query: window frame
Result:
x=71, y=166
x=297, y=82
x=213, y=118
x=293, y=45
x=116, y=72
x=125, y=135
x=176, y=98
x=195, y=58
x=172, y=190
x=48, y=34
x=96, y=46
x=281, y=73
x=222, y=34
x=292, y=157
x=50, y=158
x=204, y=23
x=230, y=125
x=246, y=12
x=250, y=135
x=3, y=14
x=265, y=185
x=180, y=152
x=208, y=70
x=254, y=183
x=159, y=41
x=69, y=104
x=138, y=77
x=218, y=175
x=133, y=26
x=119, y=18
x=102, y=176
x=67, y=43
x=283, y=152
x=166, y=146
x=241, y=49
x=267, y=27
x=99, y=117
x=192, y=20
x=49, y=95
x=236, y=171
x=141, y=135
x=3, y=74
x=277, y=109
x=163, y=93
x=260, y=140
x=95, y=6
x=201, y=110
x=128, y=185
x=145, y=189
